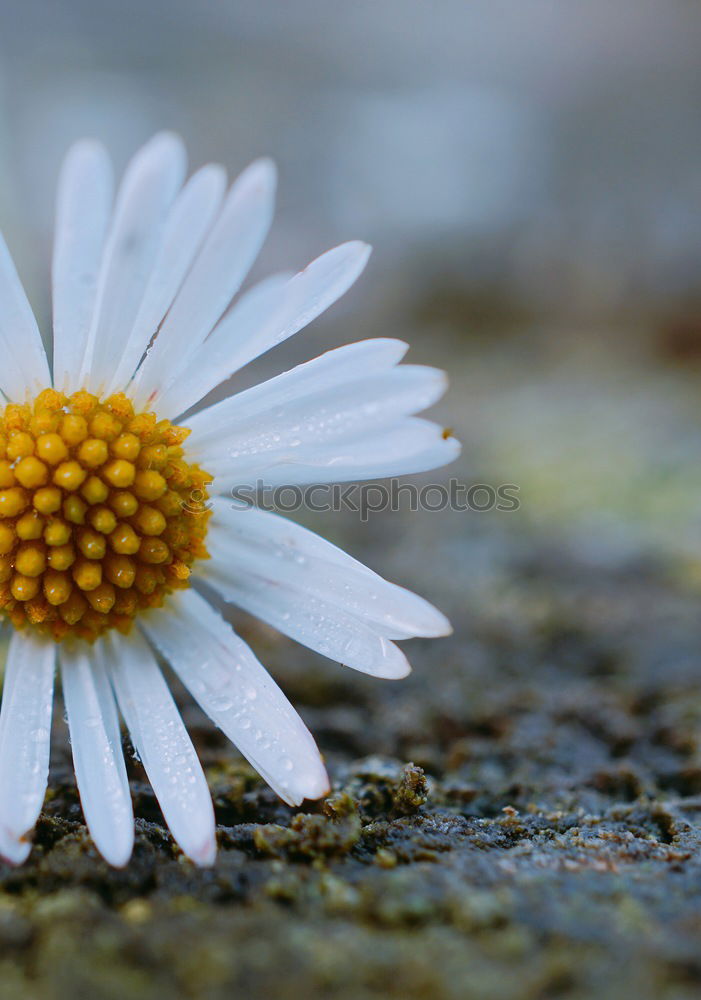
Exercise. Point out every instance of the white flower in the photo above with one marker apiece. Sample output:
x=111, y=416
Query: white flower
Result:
x=95, y=530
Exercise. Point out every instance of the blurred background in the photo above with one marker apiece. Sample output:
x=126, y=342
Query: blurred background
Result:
x=529, y=174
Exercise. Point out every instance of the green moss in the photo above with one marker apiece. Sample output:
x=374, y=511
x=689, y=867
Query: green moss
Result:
x=313, y=837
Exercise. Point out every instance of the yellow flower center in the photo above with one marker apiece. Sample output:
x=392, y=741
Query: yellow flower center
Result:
x=101, y=516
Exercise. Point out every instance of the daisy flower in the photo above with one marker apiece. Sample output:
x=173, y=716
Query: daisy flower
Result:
x=114, y=517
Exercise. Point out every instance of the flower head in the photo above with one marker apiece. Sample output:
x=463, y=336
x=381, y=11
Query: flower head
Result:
x=95, y=522
x=113, y=509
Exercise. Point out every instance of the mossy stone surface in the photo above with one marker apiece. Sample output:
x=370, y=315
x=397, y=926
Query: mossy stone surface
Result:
x=519, y=818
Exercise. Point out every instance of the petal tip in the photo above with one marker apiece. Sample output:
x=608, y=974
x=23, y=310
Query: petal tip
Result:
x=13, y=850
x=399, y=674
x=451, y=446
x=321, y=787
x=435, y=625
x=205, y=854
x=87, y=147
x=394, y=665
x=261, y=174
x=311, y=788
x=167, y=137
x=443, y=629
x=359, y=247
x=214, y=174
x=119, y=855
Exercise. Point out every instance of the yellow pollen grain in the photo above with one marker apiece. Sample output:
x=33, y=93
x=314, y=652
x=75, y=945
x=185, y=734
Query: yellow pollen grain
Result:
x=127, y=603
x=120, y=570
x=170, y=504
x=57, y=587
x=74, y=430
x=149, y=521
x=7, y=538
x=154, y=550
x=24, y=588
x=29, y=526
x=91, y=543
x=36, y=610
x=73, y=609
x=57, y=532
x=47, y=500
x=44, y=421
x=105, y=426
x=12, y=502
x=94, y=490
x=51, y=448
x=5, y=569
x=31, y=472
x=125, y=540
x=61, y=557
x=102, y=598
x=179, y=570
x=96, y=521
x=127, y=447
x=87, y=574
x=146, y=579
x=30, y=559
x=149, y=485
x=103, y=520
x=7, y=475
x=70, y=476
x=74, y=509
x=119, y=473
x=20, y=445
x=123, y=503
x=93, y=453
x=153, y=457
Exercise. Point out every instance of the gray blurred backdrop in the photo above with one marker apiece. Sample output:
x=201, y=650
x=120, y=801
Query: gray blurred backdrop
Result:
x=528, y=172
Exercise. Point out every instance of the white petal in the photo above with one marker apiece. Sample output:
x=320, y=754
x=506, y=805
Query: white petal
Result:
x=24, y=370
x=25, y=735
x=239, y=695
x=318, y=624
x=252, y=543
x=97, y=752
x=321, y=284
x=83, y=209
x=146, y=193
x=218, y=358
x=190, y=218
x=413, y=445
x=273, y=311
x=340, y=419
x=162, y=742
x=327, y=372
x=216, y=276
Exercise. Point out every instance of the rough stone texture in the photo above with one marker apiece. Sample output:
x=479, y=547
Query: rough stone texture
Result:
x=520, y=818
